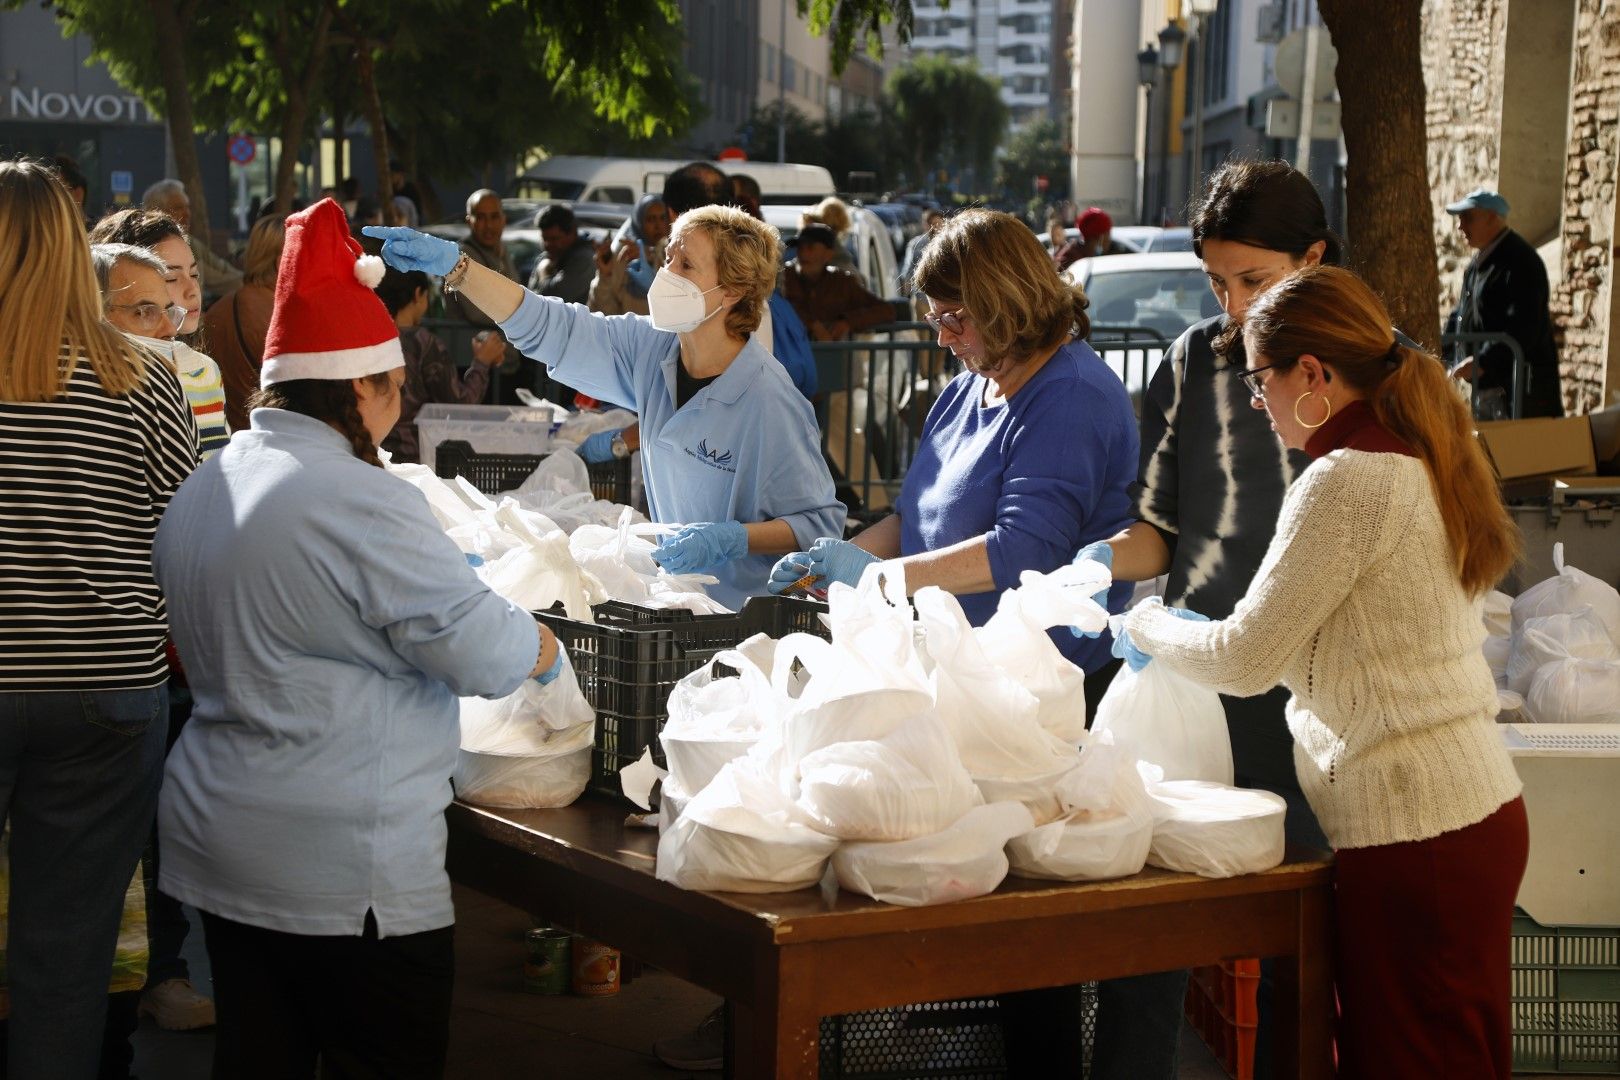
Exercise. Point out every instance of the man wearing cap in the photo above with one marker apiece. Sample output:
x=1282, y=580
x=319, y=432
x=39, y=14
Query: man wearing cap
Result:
x=1504, y=291
x=1096, y=237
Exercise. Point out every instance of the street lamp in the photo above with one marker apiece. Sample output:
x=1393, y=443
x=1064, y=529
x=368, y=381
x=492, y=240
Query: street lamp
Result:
x=1147, y=73
x=1172, y=42
x=1200, y=10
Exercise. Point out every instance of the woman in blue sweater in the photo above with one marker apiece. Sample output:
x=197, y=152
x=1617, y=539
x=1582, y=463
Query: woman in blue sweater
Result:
x=1029, y=450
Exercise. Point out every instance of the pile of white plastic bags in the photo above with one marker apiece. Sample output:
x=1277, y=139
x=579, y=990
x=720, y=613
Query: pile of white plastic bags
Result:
x=920, y=759
x=1555, y=648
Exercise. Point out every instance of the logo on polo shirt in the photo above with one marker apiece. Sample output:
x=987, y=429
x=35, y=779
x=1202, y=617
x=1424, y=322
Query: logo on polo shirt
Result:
x=718, y=459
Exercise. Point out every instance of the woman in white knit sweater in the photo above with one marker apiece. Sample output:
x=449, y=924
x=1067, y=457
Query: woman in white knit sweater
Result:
x=1367, y=608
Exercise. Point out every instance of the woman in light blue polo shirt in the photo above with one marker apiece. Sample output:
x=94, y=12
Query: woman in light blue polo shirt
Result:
x=729, y=448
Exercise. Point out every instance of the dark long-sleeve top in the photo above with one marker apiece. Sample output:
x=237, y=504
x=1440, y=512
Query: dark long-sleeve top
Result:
x=430, y=376
x=1505, y=292
x=835, y=294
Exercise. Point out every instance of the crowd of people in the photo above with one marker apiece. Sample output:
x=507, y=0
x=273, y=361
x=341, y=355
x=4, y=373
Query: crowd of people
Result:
x=203, y=562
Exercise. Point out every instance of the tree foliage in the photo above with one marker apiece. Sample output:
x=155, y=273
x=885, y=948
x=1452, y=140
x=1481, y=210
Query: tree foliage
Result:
x=950, y=115
x=1039, y=148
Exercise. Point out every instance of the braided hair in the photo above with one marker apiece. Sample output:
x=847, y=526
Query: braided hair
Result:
x=329, y=400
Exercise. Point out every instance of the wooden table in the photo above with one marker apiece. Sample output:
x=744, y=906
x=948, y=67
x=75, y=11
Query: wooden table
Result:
x=785, y=960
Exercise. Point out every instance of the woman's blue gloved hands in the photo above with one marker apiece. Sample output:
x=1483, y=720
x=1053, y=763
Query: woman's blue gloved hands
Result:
x=1101, y=552
x=406, y=249
x=1126, y=649
x=788, y=569
x=598, y=448
x=838, y=560
x=639, y=273
x=694, y=549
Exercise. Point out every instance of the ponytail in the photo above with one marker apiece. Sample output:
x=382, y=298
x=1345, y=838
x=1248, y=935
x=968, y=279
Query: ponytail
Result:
x=1333, y=315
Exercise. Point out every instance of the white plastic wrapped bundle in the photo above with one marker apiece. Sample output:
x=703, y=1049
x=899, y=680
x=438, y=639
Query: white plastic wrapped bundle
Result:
x=742, y=834
x=715, y=719
x=1106, y=831
x=1498, y=614
x=1547, y=638
x=529, y=749
x=1164, y=718
x=671, y=804
x=1575, y=691
x=1215, y=830
x=1569, y=590
x=907, y=784
x=966, y=860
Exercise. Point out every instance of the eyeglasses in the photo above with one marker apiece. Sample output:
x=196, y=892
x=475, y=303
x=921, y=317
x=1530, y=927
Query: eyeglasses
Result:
x=947, y=320
x=147, y=313
x=1251, y=378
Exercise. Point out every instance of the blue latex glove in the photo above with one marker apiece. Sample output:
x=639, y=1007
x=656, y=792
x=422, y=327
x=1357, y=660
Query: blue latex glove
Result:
x=695, y=549
x=639, y=273
x=1098, y=552
x=1127, y=650
x=406, y=249
x=788, y=569
x=838, y=560
x=598, y=448
x=549, y=676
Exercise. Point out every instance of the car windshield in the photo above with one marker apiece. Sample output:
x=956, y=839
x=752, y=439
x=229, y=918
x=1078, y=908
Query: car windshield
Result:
x=545, y=189
x=1167, y=301
x=1171, y=240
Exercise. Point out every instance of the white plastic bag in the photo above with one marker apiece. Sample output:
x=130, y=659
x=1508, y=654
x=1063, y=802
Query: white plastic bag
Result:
x=1575, y=691
x=514, y=720
x=539, y=573
x=1497, y=612
x=552, y=771
x=1498, y=653
x=1015, y=639
x=742, y=834
x=907, y=784
x=992, y=718
x=1569, y=590
x=1546, y=638
x=1159, y=716
x=714, y=719
x=1215, y=830
x=1107, y=825
x=672, y=802
x=966, y=860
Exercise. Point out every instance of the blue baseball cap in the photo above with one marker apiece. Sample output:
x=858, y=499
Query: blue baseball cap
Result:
x=1480, y=199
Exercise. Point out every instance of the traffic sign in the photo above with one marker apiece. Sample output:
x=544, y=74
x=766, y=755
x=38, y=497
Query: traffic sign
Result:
x=1289, y=65
x=1282, y=119
x=241, y=149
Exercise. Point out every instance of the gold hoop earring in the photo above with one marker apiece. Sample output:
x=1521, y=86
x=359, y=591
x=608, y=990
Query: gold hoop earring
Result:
x=1320, y=422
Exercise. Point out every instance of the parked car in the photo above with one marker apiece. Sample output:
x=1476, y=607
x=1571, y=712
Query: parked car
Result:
x=623, y=180
x=1177, y=239
x=596, y=221
x=1165, y=293
x=904, y=221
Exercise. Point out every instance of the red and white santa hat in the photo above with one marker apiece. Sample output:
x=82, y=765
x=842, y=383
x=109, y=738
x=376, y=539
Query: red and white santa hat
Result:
x=328, y=322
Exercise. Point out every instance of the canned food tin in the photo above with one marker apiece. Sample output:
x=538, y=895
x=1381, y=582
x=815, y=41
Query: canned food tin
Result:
x=596, y=968
x=546, y=966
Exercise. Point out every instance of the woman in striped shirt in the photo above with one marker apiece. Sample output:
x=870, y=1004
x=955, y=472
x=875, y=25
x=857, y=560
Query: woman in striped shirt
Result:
x=94, y=439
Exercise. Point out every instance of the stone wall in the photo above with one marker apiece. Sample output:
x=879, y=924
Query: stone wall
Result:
x=1581, y=303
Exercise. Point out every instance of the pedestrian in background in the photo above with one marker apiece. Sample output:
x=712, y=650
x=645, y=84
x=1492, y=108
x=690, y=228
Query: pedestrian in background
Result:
x=1504, y=291
x=615, y=290
x=832, y=303
x=217, y=276
x=237, y=323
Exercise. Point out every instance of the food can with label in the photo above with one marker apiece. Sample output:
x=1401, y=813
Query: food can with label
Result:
x=596, y=968
x=546, y=966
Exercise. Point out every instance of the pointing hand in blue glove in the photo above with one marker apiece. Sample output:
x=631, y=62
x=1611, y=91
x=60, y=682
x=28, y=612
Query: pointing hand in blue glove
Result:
x=598, y=448
x=1127, y=650
x=1101, y=552
x=838, y=560
x=639, y=272
x=406, y=249
x=695, y=549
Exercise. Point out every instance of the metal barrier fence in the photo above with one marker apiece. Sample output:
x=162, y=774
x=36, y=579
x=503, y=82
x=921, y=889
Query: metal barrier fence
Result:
x=1449, y=346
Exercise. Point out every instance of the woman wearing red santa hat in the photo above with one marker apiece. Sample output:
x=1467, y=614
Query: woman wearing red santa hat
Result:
x=328, y=626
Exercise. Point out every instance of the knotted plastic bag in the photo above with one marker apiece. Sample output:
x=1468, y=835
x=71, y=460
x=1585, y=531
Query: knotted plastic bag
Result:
x=907, y=784
x=1546, y=638
x=1575, y=691
x=715, y=718
x=1158, y=716
x=1568, y=590
x=1106, y=831
x=529, y=749
x=963, y=861
x=1215, y=830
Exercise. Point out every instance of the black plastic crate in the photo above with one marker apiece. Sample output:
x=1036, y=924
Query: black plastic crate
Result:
x=492, y=473
x=632, y=657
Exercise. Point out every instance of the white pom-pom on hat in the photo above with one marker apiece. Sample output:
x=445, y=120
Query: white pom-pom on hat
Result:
x=369, y=270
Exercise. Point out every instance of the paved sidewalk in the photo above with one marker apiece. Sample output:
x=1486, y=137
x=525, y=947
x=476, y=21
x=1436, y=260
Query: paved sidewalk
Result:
x=499, y=1031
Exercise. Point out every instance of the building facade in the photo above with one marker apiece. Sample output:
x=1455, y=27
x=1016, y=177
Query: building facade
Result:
x=1014, y=41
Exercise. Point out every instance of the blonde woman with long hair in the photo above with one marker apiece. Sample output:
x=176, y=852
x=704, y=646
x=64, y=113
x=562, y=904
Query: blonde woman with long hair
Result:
x=1367, y=608
x=95, y=436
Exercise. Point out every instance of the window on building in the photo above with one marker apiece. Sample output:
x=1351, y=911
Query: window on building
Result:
x=1217, y=58
x=790, y=73
x=770, y=63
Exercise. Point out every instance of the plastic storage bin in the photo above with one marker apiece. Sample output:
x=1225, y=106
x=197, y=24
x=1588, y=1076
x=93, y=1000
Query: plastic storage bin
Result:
x=492, y=473
x=1223, y=1007
x=1566, y=998
x=488, y=429
x=633, y=656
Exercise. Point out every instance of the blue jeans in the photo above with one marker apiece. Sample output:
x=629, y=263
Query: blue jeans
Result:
x=79, y=774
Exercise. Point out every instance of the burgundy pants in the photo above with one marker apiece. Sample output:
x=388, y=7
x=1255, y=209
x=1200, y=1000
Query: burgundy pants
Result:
x=1422, y=953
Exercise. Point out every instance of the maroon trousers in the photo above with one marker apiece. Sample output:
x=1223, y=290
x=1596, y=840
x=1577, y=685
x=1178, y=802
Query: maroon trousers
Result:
x=1422, y=952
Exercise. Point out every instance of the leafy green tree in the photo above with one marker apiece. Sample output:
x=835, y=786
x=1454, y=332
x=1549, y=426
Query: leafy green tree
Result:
x=949, y=114
x=806, y=139
x=1037, y=149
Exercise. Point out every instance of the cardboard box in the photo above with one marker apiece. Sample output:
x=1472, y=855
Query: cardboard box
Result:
x=1538, y=449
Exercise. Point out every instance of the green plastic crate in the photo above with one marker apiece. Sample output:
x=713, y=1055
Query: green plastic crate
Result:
x=1566, y=998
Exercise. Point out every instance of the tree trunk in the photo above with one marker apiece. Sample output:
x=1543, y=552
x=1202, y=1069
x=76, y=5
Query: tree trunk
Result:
x=372, y=102
x=1388, y=215
x=177, y=111
x=300, y=86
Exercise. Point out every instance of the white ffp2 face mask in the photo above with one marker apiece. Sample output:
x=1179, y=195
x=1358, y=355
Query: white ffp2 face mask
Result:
x=676, y=304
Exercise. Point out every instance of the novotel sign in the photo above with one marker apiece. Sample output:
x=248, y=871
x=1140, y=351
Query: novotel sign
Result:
x=51, y=105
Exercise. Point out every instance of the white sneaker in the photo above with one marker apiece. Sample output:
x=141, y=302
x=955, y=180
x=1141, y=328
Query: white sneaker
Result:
x=175, y=1005
x=701, y=1050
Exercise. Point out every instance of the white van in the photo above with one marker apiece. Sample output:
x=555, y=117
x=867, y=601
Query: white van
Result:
x=624, y=180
